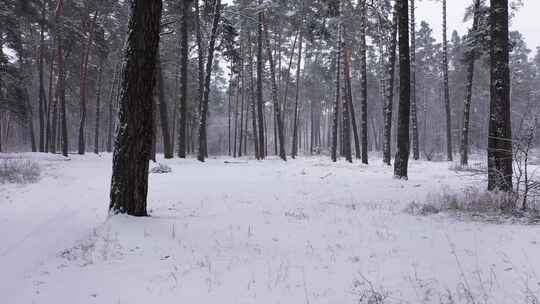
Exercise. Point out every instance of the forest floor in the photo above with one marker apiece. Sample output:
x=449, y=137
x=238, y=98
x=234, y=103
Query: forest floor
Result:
x=243, y=231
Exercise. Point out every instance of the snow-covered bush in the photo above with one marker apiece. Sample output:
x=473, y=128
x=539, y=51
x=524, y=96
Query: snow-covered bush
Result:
x=18, y=171
x=161, y=169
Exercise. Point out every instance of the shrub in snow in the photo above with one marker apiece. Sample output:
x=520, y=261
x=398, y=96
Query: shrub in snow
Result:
x=481, y=204
x=161, y=169
x=18, y=171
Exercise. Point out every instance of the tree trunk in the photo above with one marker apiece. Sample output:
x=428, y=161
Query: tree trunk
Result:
x=500, y=129
x=98, y=108
x=42, y=97
x=388, y=106
x=277, y=107
x=338, y=96
x=414, y=116
x=346, y=142
x=61, y=90
x=403, y=145
x=84, y=83
x=163, y=113
x=260, y=75
x=447, y=90
x=184, y=64
x=470, y=58
x=297, y=94
x=203, y=152
x=253, y=102
x=112, y=100
x=351, y=105
x=363, y=72
x=133, y=145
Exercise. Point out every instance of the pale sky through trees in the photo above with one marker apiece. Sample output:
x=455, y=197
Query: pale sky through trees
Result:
x=525, y=20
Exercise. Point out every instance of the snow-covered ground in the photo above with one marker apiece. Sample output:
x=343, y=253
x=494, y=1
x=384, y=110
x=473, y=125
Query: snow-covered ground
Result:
x=306, y=231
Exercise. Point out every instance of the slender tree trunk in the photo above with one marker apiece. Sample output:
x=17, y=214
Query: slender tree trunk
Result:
x=163, y=112
x=242, y=91
x=297, y=94
x=414, y=116
x=277, y=106
x=200, y=70
x=351, y=104
x=48, y=132
x=447, y=90
x=500, y=155
x=470, y=58
x=204, y=109
x=388, y=106
x=133, y=145
x=363, y=72
x=346, y=142
x=98, y=108
x=42, y=97
x=338, y=96
x=61, y=91
x=260, y=75
x=236, y=104
x=184, y=64
x=84, y=83
x=256, y=143
x=112, y=101
x=403, y=148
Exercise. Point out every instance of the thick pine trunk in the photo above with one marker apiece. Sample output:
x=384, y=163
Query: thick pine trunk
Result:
x=388, y=105
x=500, y=128
x=133, y=144
x=403, y=144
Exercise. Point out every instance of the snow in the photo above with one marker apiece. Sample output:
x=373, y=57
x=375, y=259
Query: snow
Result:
x=247, y=231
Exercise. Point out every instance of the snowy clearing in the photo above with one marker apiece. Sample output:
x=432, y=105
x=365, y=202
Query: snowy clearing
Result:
x=243, y=231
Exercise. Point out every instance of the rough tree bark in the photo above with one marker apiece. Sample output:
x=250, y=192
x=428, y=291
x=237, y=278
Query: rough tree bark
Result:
x=163, y=112
x=388, y=105
x=277, y=106
x=98, y=107
x=414, y=116
x=260, y=75
x=133, y=144
x=203, y=152
x=500, y=128
x=184, y=58
x=84, y=83
x=470, y=59
x=363, y=72
x=403, y=144
x=446, y=89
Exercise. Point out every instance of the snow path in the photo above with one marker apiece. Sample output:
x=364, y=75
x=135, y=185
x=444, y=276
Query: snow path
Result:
x=305, y=231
